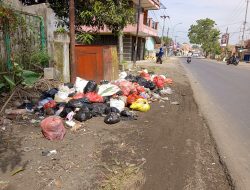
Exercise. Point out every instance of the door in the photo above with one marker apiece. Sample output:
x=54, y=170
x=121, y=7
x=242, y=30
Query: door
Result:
x=89, y=62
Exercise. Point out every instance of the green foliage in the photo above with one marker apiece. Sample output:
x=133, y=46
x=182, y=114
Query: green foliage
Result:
x=29, y=77
x=2, y=85
x=9, y=81
x=7, y=15
x=60, y=30
x=84, y=38
x=96, y=13
x=40, y=57
x=167, y=40
x=19, y=75
x=205, y=34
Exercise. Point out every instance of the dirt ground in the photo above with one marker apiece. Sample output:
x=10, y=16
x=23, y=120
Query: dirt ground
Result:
x=167, y=148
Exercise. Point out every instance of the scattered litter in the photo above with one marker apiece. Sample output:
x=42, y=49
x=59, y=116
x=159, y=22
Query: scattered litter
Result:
x=165, y=98
x=27, y=149
x=15, y=112
x=175, y=103
x=20, y=169
x=70, y=123
x=49, y=152
x=33, y=121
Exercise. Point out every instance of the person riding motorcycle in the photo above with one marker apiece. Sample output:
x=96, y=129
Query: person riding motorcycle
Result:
x=189, y=55
x=233, y=60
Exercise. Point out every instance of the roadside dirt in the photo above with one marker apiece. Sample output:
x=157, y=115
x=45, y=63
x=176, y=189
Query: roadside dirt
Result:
x=168, y=147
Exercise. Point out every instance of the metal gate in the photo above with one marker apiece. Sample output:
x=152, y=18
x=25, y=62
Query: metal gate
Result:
x=19, y=45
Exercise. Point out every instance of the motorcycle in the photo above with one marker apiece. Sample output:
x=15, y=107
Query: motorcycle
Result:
x=189, y=60
x=233, y=61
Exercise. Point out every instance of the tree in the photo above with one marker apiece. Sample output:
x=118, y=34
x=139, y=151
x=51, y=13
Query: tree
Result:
x=114, y=14
x=205, y=34
x=167, y=40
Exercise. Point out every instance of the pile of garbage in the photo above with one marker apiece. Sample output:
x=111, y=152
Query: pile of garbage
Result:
x=79, y=102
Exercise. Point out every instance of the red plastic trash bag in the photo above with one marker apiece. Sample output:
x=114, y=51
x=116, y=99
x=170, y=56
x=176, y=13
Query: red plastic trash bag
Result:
x=50, y=104
x=94, y=97
x=159, y=81
x=169, y=81
x=126, y=87
x=139, y=88
x=53, y=128
x=78, y=96
x=132, y=98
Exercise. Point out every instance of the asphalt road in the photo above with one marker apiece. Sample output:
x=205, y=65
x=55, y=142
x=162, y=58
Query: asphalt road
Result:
x=223, y=94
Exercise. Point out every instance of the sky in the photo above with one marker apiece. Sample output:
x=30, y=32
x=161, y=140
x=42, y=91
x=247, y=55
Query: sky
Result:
x=184, y=13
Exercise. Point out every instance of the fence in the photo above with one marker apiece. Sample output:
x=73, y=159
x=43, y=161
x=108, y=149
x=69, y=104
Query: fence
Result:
x=24, y=45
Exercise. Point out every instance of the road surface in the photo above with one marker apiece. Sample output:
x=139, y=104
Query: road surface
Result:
x=223, y=94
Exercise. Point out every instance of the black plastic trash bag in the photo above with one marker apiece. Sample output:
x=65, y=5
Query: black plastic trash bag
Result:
x=85, y=100
x=49, y=94
x=78, y=103
x=131, y=78
x=98, y=109
x=65, y=112
x=70, y=85
x=127, y=115
x=75, y=103
x=29, y=106
x=90, y=87
x=83, y=115
x=145, y=83
x=112, y=118
x=111, y=109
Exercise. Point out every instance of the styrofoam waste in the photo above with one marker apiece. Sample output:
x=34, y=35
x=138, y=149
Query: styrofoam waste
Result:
x=119, y=104
x=80, y=84
x=108, y=89
x=123, y=75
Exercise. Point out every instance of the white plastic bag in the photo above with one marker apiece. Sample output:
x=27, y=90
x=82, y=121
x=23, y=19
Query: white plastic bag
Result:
x=123, y=75
x=166, y=91
x=119, y=104
x=80, y=84
x=108, y=89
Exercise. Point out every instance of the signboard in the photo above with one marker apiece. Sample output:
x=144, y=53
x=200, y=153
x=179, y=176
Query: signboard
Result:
x=224, y=40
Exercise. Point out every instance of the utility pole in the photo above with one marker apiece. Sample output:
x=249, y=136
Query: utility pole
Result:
x=244, y=27
x=72, y=38
x=137, y=33
x=164, y=18
x=227, y=40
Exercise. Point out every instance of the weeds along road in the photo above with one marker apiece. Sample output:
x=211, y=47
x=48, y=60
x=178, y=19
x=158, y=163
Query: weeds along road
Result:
x=223, y=94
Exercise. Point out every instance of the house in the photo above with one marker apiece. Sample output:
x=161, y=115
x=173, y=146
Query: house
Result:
x=148, y=29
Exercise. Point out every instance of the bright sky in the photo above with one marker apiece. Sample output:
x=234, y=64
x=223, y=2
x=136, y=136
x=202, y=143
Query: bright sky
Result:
x=224, y=12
